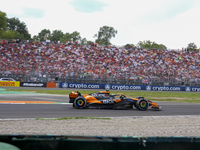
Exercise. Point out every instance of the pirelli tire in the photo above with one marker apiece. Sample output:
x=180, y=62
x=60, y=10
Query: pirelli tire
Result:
x=80, y=102
x=142, y=104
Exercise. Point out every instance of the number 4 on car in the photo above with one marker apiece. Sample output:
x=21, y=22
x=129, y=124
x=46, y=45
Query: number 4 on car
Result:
x=104, y=99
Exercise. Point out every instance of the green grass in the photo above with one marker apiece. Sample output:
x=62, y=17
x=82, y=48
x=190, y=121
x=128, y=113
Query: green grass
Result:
x=68, y=118
x=154, y=96
x=60, y=92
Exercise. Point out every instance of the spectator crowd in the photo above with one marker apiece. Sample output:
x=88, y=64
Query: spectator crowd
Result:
x=38, y=58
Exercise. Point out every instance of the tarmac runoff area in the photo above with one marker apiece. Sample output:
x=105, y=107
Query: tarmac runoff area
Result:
x=11, y=94
x=3, y=91
x=148, y=126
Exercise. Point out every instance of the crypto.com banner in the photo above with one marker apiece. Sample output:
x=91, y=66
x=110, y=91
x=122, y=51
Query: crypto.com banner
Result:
x=128, y=87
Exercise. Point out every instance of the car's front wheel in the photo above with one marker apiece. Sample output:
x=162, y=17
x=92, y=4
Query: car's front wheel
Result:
x=80, y=102
x=142, y=104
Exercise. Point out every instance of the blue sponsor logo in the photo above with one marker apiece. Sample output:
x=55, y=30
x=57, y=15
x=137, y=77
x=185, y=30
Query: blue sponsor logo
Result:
x=79, y=86
x=128, y=87
x=148, y=88
x=107, y=87
x=188, y=89
x=65, y=85
x=162, y=88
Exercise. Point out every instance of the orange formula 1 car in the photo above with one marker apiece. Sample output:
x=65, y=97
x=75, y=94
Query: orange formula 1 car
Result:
x=104, y=99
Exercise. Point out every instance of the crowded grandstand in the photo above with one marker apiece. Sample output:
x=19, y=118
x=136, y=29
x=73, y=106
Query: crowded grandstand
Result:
x=34, y=61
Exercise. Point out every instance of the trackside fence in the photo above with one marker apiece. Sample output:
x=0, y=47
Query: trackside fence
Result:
x=102, y=80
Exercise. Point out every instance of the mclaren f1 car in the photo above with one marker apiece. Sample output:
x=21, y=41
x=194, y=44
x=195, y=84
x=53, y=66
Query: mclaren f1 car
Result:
x=104, y=99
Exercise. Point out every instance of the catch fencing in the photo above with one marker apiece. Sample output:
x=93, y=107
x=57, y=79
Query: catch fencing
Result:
x=102, y=80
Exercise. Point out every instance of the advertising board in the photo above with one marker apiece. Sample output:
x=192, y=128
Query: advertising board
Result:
x=33, y=84
x=51, y=85
x=128, y=87
x=10, y=83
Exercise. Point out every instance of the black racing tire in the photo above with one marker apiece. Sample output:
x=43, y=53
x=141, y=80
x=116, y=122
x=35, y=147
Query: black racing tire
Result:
x=142, y=104
x=80, y=102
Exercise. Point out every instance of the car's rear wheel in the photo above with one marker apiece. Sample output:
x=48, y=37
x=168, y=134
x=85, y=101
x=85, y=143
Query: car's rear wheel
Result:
x=80, y=102
x=142, y=104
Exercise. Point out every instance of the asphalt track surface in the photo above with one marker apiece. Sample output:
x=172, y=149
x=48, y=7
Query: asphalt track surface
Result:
x=26, y=105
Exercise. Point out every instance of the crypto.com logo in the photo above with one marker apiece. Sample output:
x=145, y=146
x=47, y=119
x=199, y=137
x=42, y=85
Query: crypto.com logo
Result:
x=188, y=89
x=148, y=88
x=65, y=85
x=107, y=87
